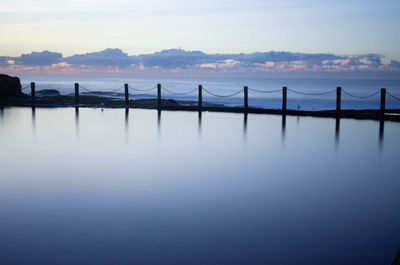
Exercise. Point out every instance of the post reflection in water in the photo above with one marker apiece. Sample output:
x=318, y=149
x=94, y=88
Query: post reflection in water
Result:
x=199, y=123
x=1, y=113
x=381, y=132
x=77, y=122
x=337, y=131
x=159, y=122
x=126, y=121
x=33, y=121
x=283, y=127
x=245, y=125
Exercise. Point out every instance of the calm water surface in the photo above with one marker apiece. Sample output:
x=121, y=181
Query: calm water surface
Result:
x=143, y=187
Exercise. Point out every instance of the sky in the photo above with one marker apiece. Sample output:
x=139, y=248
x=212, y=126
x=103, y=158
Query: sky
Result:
x=348, y=29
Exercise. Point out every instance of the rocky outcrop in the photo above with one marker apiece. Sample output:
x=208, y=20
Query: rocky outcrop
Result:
x=396, y=260
x=10, y=87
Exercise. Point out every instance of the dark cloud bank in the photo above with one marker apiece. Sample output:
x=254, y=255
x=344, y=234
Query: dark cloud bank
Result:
x=192, y=61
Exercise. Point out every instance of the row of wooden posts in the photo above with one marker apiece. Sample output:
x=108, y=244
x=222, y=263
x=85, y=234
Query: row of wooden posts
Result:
x=245, y=96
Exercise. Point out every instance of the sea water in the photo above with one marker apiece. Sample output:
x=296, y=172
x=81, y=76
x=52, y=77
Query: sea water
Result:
x=145, y=87
x=92, y=186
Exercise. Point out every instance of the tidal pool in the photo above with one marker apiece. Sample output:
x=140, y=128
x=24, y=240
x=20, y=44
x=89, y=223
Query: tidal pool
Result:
x=111, y=186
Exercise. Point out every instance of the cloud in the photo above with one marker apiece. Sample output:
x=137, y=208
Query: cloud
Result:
x=39, y=58
x=111, y=61
x=395, y=64
x=174, y=58
x=178, y=58
x=105, y=58
x=272, y=56
x=5, y=60
x=375, y=59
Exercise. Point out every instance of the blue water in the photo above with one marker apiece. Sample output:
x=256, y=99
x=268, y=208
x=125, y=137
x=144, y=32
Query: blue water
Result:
x=226, y=86
x=148, y=187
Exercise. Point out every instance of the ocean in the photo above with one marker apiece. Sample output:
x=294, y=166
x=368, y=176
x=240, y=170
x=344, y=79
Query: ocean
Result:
x=144, y=87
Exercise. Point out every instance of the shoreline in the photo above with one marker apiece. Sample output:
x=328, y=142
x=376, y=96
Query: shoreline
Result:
x=180, y=105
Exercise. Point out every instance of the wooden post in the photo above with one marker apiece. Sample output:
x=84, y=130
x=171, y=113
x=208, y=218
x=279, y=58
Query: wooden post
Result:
x=33, y=91
x=200, y=95
x=246, y=96
x=126, y=95
x=284, y=97
x=76, y=93
x=383, y=99
x=338, y=98
x=158, y=95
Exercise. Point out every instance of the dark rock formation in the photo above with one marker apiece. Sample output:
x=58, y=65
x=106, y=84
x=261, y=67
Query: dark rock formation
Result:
x=396, y=260
x=47, y=93
x=10, y=87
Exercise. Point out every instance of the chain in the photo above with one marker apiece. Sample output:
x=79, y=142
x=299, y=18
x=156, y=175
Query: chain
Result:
x=354, y=96
x=142, y=89
x=25, y=87
x=312, y=94
x=89, y=90
x=223, y=96
x=263, y=91
x=393, y=96
x=179, y=93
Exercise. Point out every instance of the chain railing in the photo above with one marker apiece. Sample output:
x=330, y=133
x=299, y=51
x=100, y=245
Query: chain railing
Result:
x=393, y=96
x=179, y=93
x=312, y=94
x=223, y=96
x=361, y=97
x=142, y=90
x=244, y=90
x=106, y=91
x=265, y=91
x=25, y=87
